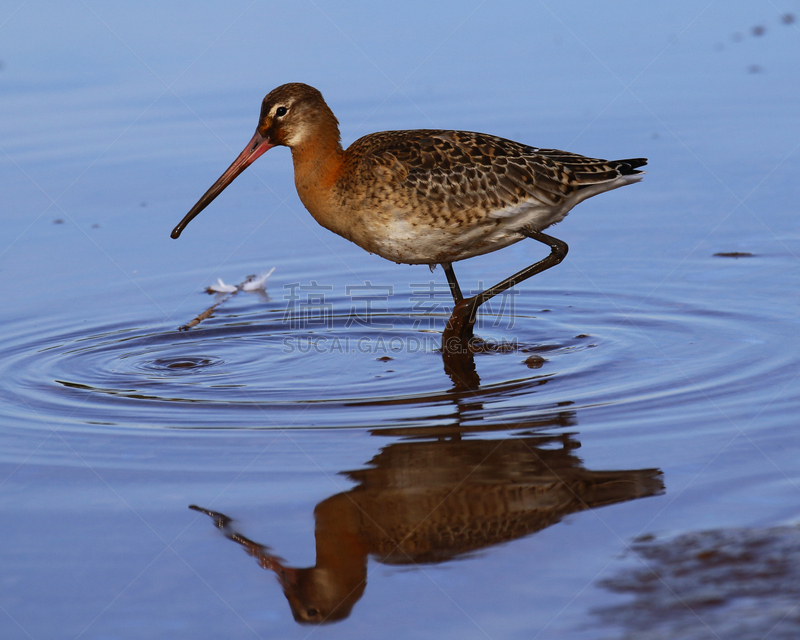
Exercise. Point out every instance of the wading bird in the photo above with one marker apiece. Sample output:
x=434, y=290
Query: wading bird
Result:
x=425, y=196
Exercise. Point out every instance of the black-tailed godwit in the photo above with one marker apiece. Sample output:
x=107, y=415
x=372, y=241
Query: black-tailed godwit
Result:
x=425, y=196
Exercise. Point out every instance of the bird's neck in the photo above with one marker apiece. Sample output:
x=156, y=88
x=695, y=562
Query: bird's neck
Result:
x=318, y=159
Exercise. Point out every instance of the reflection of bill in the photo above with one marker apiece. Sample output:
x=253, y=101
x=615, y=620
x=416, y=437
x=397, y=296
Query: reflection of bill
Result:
x=432, y=501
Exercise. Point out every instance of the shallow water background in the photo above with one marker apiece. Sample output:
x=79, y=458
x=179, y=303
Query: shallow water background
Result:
x=654, y=353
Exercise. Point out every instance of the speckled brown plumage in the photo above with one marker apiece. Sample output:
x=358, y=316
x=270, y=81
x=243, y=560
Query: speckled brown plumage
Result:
x=458, y=170
x=474, y=191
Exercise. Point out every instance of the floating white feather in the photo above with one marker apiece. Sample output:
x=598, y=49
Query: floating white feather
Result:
x=258, y=283
x=221, y=287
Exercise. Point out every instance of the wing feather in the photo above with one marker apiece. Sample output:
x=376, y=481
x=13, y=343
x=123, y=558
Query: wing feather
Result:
x=474, y=172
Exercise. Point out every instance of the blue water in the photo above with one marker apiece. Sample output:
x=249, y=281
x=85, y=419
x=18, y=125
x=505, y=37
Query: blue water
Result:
x=643, y=353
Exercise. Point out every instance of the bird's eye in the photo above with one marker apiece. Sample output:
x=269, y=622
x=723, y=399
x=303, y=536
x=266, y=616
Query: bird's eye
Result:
x=280, y=111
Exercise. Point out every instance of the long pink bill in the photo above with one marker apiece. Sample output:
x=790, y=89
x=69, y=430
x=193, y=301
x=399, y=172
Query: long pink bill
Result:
x=254, y=149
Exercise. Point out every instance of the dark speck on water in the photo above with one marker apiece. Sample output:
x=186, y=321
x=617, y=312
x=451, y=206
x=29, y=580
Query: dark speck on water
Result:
x=181, y=365
x=534, y=362
x=733, y=254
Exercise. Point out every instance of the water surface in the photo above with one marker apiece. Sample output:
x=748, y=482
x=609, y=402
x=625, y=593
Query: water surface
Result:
x=639, y=406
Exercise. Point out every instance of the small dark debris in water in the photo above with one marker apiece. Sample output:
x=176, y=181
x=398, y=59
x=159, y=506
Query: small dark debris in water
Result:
x=755, y=68
x=58, y=221
x=581, y=336
x=545, y=311
x=786, y=18
x=534, y=362
x=181, y=365
x=162, y=364
x=758, y=30
x=384, y=359
x=734, y=254
x=95, y=226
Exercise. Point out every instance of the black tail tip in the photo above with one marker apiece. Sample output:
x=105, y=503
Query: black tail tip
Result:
x=629, y=166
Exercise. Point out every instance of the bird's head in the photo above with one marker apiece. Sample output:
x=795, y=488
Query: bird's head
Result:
x=291, y=115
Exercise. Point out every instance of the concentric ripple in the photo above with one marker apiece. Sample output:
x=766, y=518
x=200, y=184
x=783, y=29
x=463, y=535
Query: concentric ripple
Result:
x=253, y=369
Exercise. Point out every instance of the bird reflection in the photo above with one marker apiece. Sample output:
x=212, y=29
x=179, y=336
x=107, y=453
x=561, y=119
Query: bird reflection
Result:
x=434, y=500
x=459, y=365
x=458, y=358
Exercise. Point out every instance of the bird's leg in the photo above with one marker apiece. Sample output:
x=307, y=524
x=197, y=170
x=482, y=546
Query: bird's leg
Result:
x=451, y=280
x=460, y=324
x=558, y=251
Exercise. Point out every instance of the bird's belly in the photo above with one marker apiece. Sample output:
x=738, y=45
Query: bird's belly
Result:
x=405, y=242
x=451, y=236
